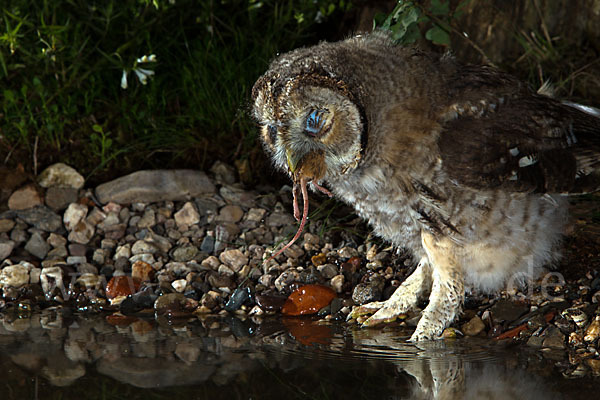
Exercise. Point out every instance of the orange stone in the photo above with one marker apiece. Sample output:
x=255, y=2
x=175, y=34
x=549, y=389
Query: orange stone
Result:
x=122, y=286
x=142, y=271
x=308, y=332
x=308, y=299
x=318, y=259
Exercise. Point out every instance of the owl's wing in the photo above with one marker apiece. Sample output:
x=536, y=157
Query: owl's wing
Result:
x=529, y=143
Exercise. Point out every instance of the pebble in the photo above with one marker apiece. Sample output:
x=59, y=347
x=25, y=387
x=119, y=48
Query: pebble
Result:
x=234, y=259
x=6, y=225
x=230, y=213
x=337, y=283
x=185, y=253
x=74, y=214
x=6, y=248
x=553, y=338
x=14, y=276
x=142, y=271
x=188, y=215
x=58, y=198
x=473, y=327
x=42, y=218
x=25, y=198
x=60, y=174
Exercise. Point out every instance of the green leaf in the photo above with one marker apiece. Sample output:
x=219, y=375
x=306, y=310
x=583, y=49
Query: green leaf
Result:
x=97, y=128
x=438, y=36
x=412, y=34
x=439, y=8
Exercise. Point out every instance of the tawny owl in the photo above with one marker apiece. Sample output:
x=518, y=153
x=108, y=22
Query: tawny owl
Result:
x=462, y=164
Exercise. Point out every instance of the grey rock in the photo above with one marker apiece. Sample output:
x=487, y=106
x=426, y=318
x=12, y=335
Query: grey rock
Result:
x=18, y=236
x=236, y=195
x=286, y=278
x=188, y=215
x=6, y=247
x=208, y=244
x=76, y=249
x=224, y=234
x=148, y=220
x=37, y=246
x=224, y=173
x=185, y=253
x=155, y=185
x=255, y=214
x=161, y=243
x=366, y=292
x=553, y=338
x=6, y=225
x=142, y=247
x=75, y=260
x=58, y=197
x=60, y=174
x=41, y=217
x=294, y=252
x=328, y=271
x=278, y=219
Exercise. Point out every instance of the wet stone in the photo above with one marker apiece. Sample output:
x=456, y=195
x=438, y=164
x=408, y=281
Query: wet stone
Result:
x=286, y=278
x=170, y=302
x=553, y=338
x=14, y=276
x=473, y=327
x=37, y=246
x=365, y=293
x=270, y=302
x=506, y=310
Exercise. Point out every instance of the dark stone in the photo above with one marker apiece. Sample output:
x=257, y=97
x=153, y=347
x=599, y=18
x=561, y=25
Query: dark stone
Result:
x=42, y=218
x=59, y=197
x=237, y=298
x=270, y=302
x=506, y=310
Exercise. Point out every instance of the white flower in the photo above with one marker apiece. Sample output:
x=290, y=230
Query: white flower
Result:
x=143, y=74
x=146, y=59
x=124, y=80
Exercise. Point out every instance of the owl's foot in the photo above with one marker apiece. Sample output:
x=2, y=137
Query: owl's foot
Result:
x=404, y=299
x=447, y=291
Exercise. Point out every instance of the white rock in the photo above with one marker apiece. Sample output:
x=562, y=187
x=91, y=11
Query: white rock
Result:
x=51, y=277
x=60, y=174
x=74, y=214
x=14, y=276
x=179, y=285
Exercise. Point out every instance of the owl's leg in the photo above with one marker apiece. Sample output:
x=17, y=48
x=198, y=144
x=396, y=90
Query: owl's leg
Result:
x=405, y=298
x=447, y=292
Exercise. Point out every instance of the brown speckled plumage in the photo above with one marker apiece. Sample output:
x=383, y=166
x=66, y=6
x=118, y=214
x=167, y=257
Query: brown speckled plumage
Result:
x=464, y=165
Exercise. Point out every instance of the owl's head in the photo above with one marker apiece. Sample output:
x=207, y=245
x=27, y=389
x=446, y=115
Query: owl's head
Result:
x=311, y=121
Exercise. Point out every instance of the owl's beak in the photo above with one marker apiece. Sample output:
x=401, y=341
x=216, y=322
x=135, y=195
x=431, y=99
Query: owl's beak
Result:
x=292, y=160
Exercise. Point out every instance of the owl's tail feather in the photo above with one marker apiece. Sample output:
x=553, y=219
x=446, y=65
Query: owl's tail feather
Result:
x=296, y=210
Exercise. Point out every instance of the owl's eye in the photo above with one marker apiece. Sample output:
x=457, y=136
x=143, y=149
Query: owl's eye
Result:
x=315, y=122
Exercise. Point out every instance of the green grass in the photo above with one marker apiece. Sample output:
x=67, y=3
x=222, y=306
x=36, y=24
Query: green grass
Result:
x=62, y=61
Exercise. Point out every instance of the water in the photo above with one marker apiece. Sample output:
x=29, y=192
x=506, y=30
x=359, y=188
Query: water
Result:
x=55, y=355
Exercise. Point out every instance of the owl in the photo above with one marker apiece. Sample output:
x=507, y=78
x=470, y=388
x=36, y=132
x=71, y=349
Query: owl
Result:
x=464, y=165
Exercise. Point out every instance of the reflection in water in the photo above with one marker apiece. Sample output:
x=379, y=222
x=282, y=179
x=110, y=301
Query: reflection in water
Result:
x=55, y=355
